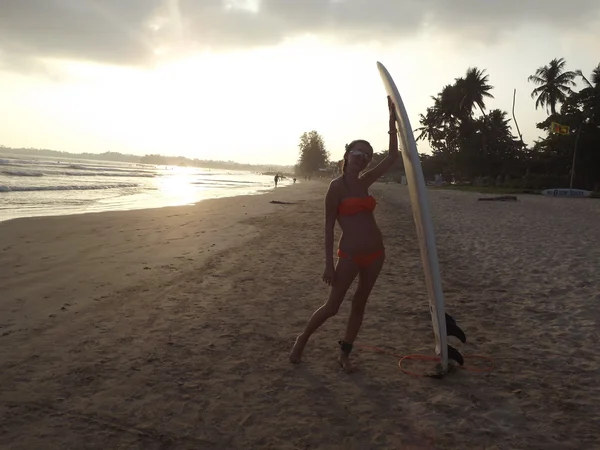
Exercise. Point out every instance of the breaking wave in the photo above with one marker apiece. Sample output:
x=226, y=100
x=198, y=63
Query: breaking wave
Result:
x=5, y=188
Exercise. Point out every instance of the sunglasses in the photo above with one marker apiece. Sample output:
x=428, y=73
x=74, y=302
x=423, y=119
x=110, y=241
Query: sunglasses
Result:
x=361, y=154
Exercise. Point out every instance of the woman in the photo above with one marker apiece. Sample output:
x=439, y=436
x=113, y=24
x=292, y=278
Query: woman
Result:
x=361, y=251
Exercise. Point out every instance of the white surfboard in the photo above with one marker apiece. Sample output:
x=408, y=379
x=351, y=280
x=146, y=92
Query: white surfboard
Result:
x=422, y=217
x=566, y=192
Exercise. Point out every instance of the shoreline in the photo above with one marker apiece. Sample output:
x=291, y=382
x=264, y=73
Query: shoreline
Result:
x=141, y=206
x=192, y=352
x=51, y=188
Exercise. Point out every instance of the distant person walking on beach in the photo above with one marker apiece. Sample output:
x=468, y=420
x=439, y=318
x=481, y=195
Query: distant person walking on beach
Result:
x=276, y=179
x=361, y=251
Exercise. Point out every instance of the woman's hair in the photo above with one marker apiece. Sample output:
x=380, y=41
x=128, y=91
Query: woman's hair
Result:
x=349, y=147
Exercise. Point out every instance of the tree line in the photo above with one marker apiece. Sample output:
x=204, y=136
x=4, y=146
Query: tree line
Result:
x=152, y=159
x=471, y=144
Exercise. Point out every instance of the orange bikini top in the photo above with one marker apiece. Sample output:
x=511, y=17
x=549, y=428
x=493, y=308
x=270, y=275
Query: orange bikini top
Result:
x=354, y=205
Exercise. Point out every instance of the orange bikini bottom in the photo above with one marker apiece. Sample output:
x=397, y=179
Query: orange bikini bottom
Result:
x=362, y=259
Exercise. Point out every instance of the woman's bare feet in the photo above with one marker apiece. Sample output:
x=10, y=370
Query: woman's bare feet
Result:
x=297, y=349
x=346, y=363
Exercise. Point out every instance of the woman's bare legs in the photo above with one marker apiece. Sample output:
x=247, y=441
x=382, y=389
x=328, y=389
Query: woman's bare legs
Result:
x=345, y=273
x=367, y=277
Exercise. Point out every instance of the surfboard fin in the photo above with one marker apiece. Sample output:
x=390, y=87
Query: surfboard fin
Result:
x=455, y=355
x=454, y=330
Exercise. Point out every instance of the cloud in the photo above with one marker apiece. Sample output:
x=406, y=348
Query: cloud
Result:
x=129, y=32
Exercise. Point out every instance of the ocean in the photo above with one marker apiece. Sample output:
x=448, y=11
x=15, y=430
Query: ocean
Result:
x=42, y=186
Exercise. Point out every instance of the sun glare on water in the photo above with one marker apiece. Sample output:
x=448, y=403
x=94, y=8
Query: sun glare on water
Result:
x=179, y=185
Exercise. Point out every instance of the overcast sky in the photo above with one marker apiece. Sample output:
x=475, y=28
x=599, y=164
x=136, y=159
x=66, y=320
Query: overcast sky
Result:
x=235, y=79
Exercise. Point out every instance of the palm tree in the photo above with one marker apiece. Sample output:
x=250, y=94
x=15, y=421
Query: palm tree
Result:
x=441, y=114
x=439, y=125
x=473, y=90
x=450, y=119
x=595, y=83
x=447, y=103
x=430, y=126
x=499, y=124
x=589, y=97
x=554, y=84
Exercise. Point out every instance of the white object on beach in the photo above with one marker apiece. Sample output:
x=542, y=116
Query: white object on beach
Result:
x=422, y=217
x=573, y=193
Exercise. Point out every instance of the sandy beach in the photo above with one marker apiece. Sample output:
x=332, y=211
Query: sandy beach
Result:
x=170, y=328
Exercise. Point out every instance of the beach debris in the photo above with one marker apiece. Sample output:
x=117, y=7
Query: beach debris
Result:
x=277, y=202
x=503, y=198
